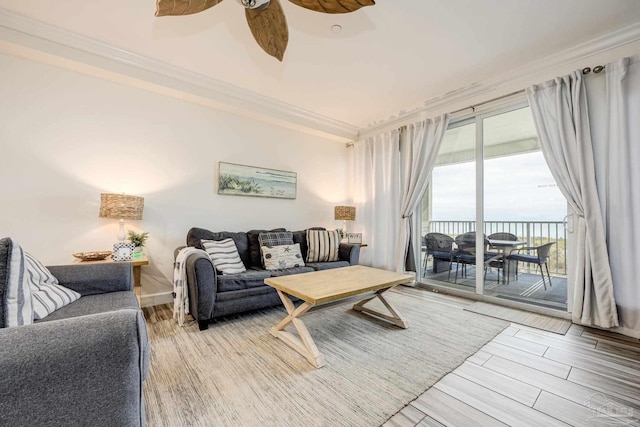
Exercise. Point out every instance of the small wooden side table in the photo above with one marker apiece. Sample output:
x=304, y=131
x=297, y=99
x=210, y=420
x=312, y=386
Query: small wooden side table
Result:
x=137, y=264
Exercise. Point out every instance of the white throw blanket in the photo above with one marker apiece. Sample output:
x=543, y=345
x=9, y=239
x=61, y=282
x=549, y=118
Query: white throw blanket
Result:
x=180, y=291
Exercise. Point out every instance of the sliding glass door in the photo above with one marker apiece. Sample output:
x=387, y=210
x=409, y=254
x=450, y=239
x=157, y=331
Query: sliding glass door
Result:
x=493, y=217
x=449, y=208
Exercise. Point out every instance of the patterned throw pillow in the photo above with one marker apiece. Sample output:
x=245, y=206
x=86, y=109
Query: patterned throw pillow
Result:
x=323, y=245
x=224, y=255
x=15, y=291
x=48, y=296
x=282, y=256
x=272, y=239
x=278, y=238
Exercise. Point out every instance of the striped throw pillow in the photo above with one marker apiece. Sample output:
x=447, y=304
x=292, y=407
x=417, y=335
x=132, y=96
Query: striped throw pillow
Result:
x=323, y=245
x=48, y=295
x=224, y=255
x=16, y=294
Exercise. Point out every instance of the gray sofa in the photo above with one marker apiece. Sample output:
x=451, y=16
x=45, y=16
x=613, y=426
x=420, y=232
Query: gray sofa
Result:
x=213, y=295
x=84, y=364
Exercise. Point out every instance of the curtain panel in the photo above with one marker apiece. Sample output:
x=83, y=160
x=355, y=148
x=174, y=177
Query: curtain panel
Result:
x=621, y=174
x=560, y=113
x=419, y=146
x=377, y=197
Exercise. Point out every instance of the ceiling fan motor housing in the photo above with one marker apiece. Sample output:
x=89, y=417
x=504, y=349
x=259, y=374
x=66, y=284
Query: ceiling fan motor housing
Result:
x=255, y=4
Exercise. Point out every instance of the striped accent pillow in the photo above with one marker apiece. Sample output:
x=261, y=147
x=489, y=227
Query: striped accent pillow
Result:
x=48, y=295
x=224, y=255
x=16, y=294
x=323, y=245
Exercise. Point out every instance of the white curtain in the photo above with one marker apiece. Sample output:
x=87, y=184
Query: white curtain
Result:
x=559, y=110
x=377, y=197
x=622, y=176
x=419, y=146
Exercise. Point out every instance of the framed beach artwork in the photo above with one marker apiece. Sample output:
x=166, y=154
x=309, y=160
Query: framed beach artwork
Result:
x=241, y=180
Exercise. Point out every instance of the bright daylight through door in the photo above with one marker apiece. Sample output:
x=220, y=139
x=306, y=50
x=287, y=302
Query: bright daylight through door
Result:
x=521, y=252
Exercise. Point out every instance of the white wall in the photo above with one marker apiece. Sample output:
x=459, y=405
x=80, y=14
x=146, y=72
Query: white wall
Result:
x=67, y=137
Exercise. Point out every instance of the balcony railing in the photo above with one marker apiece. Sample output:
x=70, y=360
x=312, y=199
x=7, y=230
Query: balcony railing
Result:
x=534, y=233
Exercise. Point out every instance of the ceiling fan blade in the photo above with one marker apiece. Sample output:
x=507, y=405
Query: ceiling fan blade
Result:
x=333, y=6
x=269, y=28
x=183, y=7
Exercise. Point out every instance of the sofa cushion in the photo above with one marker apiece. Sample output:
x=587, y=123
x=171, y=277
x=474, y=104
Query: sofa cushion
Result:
x=327, y=265
x=254, y=245
x=47, y=295
x=15, y=293
x=94, y=304
x=288, y=271
x=244, y=293
x=224, y=256
x=195, y=235
x=248, y=279
x=323, y=245
x=282, y=256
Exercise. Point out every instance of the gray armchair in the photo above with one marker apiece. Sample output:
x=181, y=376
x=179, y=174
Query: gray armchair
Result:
x=84, y=364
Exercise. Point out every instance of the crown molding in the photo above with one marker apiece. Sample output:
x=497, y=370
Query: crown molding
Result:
x=514, y=79
x=25, y=37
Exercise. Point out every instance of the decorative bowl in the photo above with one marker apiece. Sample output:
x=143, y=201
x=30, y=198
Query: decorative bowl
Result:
x=92, y=256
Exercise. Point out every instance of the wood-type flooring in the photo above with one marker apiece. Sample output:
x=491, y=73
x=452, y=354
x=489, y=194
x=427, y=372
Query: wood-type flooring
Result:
x=531, y=377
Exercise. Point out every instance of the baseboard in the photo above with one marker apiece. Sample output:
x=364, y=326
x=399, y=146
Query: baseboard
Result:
x=149, y=300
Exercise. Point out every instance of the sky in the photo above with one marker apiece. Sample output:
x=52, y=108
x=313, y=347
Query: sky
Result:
x=516, y=188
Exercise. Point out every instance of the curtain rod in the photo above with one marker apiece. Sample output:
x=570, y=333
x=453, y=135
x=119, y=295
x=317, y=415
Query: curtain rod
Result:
x=597, y=69
x=473, y=107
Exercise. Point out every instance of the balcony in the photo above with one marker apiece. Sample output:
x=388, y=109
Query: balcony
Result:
x=527, y=286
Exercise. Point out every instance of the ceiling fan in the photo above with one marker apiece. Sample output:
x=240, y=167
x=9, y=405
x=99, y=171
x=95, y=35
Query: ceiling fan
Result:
x=265, y=17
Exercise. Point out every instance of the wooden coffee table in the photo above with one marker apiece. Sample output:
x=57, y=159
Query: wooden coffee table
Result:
x=324, y=286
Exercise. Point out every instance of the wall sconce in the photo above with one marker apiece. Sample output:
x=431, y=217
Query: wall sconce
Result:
x=121, y=207
x=344, y=214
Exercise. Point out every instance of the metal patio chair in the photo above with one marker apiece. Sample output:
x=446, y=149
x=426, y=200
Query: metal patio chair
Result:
x=540, y=257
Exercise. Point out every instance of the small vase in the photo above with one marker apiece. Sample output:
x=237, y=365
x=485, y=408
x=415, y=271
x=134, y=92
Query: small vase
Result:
x=137, y=252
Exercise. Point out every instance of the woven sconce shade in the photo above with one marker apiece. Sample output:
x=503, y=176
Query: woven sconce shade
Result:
x=345, y=213
x=121, y=206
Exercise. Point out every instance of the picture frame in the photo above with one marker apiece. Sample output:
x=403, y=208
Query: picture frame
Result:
x=242, y=180
x=122, y=251
x=354, y=238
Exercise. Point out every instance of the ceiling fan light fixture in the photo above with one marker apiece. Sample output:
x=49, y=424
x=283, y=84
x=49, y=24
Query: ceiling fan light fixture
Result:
x=255, y=4
x=265, y=18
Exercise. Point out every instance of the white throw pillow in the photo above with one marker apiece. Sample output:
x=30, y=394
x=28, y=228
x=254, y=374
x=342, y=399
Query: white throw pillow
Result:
x=224, y=255
x=323, y=245
x=47, y=295
x=283, y=256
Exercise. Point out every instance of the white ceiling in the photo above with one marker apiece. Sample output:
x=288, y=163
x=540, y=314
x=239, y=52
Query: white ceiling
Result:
x=389, y=57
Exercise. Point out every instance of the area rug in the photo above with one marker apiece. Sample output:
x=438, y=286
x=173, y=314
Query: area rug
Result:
x=237, y=374
x=534, y=320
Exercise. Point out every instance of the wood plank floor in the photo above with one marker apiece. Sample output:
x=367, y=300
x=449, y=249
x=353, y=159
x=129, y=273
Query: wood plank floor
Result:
x=530, y=377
